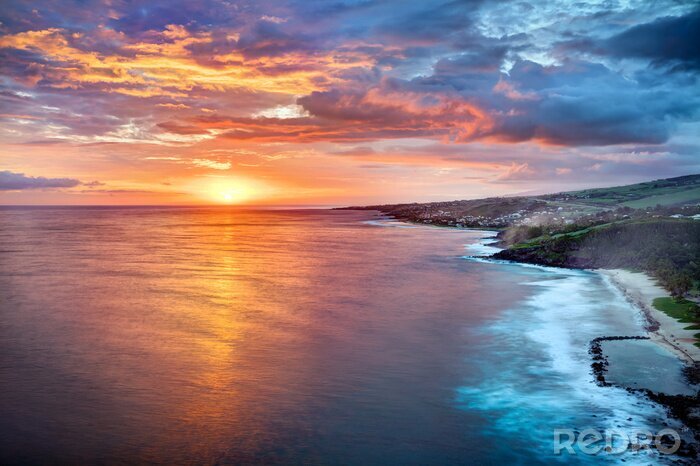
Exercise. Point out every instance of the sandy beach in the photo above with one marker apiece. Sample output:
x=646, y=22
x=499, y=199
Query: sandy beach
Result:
x=641, y=290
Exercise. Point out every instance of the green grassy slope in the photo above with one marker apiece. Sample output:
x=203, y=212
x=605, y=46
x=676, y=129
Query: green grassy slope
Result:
x=684, y=189
x=682, y=310
x=664, y=247
x=679, y=196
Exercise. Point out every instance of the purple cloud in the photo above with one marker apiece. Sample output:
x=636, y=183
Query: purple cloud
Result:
x=10, y=181
x=571, y=78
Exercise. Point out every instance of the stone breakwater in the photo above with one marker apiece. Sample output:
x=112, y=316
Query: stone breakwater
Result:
x=683, y=407
x=600, y=362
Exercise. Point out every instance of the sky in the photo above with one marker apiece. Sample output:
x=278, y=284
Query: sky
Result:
x=342, y=102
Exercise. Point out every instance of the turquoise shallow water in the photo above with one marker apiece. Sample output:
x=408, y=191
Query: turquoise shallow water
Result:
x=538, y=376
x=645, y=364
x=223, y=336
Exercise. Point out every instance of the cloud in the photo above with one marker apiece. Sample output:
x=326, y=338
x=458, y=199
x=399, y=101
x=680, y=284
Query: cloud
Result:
x=671, y=41
x=93, y=184
x=216, y=165
x=585, y=104
x=389, y=110
x=282, y=112
x=517, y=172
x=10, y=181
x=268, y=38
x=541, y=91
x=577, y=103
x=172, y=62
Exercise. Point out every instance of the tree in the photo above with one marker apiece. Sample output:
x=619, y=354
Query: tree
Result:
x=679, y=284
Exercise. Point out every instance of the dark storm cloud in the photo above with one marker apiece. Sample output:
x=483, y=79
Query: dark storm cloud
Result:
x=666, y=41
x=585, y=104
x=670, y=41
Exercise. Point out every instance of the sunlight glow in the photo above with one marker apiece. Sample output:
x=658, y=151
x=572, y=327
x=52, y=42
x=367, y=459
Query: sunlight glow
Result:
x=230, y=190
x=229, y=194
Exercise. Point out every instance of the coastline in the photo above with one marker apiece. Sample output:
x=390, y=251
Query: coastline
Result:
x=641, y=290
x=637, y=291
x=631, y=304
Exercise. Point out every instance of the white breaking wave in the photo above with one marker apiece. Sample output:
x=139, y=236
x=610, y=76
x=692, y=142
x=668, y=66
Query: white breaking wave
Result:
x=483, y=247
x=541, y=377
x=389, y=223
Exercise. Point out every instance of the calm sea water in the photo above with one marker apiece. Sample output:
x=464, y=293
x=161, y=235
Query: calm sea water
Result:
x=220, y=336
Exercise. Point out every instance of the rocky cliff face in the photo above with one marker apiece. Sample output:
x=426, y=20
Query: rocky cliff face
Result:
x=541, y=256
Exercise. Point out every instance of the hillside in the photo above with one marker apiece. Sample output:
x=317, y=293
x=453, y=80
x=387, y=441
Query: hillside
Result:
x=667, y=248
x=567, y=208
x=683, y=189
x=652, y=227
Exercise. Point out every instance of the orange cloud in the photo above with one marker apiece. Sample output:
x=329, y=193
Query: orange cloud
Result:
x=166, y=65
x=339, y=116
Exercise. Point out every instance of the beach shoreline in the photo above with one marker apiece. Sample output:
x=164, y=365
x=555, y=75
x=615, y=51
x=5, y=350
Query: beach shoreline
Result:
x=637, y=291
x=641, y=290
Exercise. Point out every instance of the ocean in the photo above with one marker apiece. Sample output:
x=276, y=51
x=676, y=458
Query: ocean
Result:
x=232, y=336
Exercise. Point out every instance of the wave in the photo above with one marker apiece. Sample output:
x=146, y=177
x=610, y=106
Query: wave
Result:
x=537, y=376
x=389, y=223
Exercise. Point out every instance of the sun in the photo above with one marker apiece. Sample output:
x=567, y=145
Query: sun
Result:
x=229, y=190
x=230, y=195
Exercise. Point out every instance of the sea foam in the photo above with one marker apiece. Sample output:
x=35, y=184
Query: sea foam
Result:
x=538, y=376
